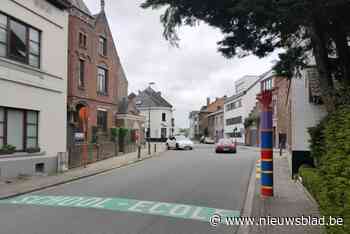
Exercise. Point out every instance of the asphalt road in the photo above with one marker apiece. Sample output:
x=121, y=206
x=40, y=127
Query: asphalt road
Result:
x=175, y=183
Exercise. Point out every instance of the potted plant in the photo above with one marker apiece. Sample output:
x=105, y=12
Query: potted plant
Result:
x=33, y=150
x=7, y=149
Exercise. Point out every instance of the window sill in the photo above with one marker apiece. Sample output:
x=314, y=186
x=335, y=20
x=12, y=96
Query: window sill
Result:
x=82, y=88
x=22, y=155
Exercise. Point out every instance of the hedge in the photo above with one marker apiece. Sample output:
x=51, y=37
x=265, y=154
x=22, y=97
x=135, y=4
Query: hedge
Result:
x=330, y=182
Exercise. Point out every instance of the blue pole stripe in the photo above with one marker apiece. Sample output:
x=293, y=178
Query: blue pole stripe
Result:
x=266, y=179
x=266, y=140
x=266, y=166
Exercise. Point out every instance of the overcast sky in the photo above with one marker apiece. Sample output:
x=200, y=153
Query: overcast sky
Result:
x=186, y=76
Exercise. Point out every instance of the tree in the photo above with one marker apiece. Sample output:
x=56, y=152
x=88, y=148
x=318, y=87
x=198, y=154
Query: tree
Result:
x=184, y=131
x=258, y=27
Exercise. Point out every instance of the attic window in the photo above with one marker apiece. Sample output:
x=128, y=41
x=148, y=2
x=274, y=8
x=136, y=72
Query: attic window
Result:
x=102, y=47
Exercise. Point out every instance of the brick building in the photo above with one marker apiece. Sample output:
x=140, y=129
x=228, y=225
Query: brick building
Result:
x=205, y=127
x=96, y=79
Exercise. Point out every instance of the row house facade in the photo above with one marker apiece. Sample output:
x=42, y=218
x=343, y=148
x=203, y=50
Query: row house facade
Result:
x=33, y=85
x=206, y=125
x=216, y=124
x=96, y=79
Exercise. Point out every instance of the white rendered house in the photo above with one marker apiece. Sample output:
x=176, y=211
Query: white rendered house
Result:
x=33, y=85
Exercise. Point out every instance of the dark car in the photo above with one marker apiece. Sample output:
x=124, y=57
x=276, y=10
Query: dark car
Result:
x=225, y=146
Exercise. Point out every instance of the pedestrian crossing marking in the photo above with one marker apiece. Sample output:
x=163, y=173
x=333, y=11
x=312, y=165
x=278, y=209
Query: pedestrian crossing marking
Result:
x=174, y=210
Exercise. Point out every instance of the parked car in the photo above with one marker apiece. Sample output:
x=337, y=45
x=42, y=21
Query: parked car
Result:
x=226, y=146
x=179, y=142
x=207, y=140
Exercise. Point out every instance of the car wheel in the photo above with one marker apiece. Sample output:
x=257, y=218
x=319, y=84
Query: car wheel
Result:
x=177, y=146
x=167, y=146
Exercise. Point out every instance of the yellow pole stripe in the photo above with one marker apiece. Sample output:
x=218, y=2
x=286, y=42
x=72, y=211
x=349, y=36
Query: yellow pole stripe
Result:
x=267, y=160
x=267, y=172
x=267, y=187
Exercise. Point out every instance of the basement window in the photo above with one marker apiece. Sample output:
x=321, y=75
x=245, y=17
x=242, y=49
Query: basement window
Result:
x=39, y=168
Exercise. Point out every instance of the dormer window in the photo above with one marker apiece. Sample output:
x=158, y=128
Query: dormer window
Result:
x=102, y=48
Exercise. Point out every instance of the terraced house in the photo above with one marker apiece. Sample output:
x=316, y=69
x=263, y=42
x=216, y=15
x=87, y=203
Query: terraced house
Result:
x=33, y=81
x=96, y=77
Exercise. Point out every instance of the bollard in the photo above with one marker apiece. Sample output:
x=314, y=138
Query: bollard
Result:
x=139, y=152
x=155, y=148
x=266, y=130
x=149, y=148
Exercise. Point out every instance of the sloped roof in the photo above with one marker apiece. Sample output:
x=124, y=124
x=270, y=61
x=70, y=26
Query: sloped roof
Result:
x=80, y=4
x=151, y=98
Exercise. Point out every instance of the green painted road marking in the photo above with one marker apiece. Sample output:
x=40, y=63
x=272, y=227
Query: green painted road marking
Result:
x=124, y=205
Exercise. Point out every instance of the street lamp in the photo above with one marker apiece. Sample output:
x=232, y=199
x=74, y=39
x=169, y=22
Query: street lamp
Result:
x=149, y=121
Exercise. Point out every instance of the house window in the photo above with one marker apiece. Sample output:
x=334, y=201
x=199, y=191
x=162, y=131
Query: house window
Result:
x=102, y=46
x=19, y=128
x=81, y=73
x=102, y=80
x=163, y=117
x=102, y=120
x=82, y=40
x=266, y=85
x=163, y=133
x=19, y=41
x=233, y=121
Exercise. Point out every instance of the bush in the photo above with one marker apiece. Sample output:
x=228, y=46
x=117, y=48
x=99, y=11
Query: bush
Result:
x=331, y=146
x=114, y=134
x=7, y=149
x=317, y=142
x=311, y=180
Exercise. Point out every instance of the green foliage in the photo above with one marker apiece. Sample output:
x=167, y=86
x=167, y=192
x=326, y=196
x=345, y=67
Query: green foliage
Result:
x=94, y=137
x=317, y=141
x=260, y=27
x=184, y=131
x=123, y=132
x=114, y=133
x=8, y=148
x=311, y=180
x=250, y=121
x=330, y=183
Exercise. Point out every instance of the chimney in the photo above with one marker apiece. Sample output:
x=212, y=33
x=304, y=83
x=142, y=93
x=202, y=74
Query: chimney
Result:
x=208, y=101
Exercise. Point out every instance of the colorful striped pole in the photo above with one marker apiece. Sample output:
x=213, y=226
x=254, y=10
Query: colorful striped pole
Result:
x=266, y=131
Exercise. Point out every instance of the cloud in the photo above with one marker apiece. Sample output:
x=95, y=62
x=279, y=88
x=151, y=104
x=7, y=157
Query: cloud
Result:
x=186, y=76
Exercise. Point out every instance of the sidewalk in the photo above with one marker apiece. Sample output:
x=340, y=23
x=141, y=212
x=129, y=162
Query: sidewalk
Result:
x=290, y=200
x=38, y=183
